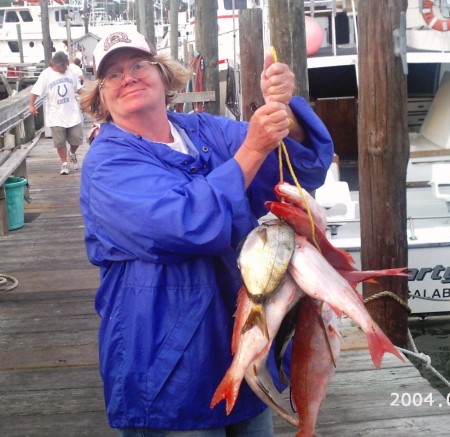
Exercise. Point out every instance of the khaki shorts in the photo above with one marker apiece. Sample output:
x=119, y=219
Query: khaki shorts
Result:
x=73, y=135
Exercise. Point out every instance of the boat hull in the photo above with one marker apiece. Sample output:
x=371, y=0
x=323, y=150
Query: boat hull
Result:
x=428, y=262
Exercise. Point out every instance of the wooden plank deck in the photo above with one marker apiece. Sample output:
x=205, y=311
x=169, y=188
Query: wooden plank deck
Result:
x=49, y=382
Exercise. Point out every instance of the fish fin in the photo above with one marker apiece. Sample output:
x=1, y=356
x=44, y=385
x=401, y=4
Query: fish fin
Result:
x=336, y=311
x=228, y=389
x=242, y=296
x=257, y=317
x=263, y=386
x=348, y=256
x=240, y=244
x=379, y=343
x=282, y=339
x=325, y=333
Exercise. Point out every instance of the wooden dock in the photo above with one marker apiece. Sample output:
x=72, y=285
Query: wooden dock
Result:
x=49, y=381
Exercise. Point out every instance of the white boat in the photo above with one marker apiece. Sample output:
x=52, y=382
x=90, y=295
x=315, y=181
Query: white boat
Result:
x=428, y=173
x=428, y=234
x=22, y=22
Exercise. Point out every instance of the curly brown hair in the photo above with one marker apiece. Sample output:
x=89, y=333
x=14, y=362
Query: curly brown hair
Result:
x=174, y=76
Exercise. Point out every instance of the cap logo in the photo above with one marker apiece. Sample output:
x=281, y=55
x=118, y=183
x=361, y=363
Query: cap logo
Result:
x=115, y=38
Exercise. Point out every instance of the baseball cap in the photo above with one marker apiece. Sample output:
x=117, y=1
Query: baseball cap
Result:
x=119, y=40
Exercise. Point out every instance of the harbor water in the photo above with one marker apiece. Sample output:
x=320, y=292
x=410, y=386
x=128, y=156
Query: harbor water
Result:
x=432, y=337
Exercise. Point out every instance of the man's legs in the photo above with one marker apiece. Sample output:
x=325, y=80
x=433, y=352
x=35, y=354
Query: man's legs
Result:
x=75, y=138
x=59, y=141
x=62, y=152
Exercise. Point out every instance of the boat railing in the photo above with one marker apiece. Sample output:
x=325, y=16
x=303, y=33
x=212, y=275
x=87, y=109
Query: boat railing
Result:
x=412, y=224
x=22, y=70
x=14, y=111
x=334, y=224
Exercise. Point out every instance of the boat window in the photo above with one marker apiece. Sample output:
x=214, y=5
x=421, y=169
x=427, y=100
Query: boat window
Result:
x=13, y=46
x=26, y=16
x=2, y=16
x=65, y=13
x=11, y=17
x=238, y=4
x=57, y=16
x=445, y=9
x=337, y=81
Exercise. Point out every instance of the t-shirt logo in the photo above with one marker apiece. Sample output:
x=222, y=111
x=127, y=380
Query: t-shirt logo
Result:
x=115, y=38
x=61, y=93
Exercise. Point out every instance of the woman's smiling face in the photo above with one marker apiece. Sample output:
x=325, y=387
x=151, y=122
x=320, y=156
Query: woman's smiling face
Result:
x=133, y=95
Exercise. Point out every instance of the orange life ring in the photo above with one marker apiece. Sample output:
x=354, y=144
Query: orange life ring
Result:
x=432, y=21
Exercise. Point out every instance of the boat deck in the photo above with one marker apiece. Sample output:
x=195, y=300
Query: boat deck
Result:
x=49, y=381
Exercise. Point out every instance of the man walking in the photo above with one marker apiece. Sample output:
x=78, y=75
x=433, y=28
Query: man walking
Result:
x=60, y=86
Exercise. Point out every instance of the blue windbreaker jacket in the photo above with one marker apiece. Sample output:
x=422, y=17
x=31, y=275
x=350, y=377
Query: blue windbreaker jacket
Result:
x=164, y=228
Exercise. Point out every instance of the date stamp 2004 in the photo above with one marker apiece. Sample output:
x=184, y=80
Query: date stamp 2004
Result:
x=419, y=400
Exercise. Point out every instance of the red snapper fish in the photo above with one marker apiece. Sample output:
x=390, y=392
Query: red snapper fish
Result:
x=341, y=260
x=302, y=199
x=250, y=348
x=317, y=278
x=301, y=223
x=316, y=349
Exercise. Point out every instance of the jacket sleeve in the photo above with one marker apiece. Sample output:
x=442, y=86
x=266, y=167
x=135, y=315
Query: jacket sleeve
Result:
x=159, y=214
x=310, y=160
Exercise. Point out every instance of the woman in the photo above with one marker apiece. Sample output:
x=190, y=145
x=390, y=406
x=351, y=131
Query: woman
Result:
x=166, y=198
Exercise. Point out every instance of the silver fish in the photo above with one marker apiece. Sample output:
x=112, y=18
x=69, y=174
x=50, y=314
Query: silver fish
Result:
x=263, y=261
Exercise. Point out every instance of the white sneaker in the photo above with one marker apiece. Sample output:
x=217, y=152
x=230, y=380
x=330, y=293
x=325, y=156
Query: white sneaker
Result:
x=73, y=160
x=64, y=169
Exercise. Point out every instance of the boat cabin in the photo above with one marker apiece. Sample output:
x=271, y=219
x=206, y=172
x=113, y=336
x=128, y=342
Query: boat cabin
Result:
x=22, y=22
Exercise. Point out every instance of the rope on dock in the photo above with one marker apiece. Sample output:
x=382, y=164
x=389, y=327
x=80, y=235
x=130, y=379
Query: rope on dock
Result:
x=424, y=358
x=387, y=293
x=7, y=282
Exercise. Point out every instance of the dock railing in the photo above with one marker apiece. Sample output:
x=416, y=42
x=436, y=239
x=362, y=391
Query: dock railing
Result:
x=19, y=132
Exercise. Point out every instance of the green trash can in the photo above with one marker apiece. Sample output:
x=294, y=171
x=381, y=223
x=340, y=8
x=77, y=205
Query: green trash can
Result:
x=15, y=196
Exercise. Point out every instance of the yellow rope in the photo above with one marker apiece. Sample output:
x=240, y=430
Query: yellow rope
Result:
x=282, y=148
x=280, y=163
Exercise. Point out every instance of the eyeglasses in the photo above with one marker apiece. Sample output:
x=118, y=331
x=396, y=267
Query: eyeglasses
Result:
x=138, y=71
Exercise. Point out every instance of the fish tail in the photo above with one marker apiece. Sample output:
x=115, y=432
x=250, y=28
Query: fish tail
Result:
x=356, y=276
x=228, y=389
x=379, y=343
x=398, y=271
x=257, y=317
